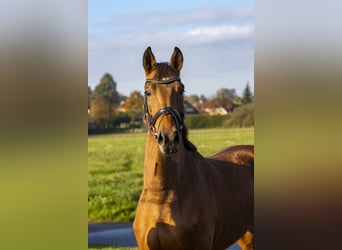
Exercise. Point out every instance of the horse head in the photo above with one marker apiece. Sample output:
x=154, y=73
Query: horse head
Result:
x=163, y=105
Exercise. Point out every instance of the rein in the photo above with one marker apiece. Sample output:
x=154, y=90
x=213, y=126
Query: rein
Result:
x=151, y=120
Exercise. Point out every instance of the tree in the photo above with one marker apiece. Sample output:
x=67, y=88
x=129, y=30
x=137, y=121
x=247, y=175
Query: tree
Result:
x=134, y=105
x=103, y=101
x=101, y=112
x=225, y=95
x=90, y=94
x=224, y=98
x=247, y=95
x=107, y=89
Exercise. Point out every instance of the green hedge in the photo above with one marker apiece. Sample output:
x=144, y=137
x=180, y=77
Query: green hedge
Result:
x=242, y=116
x=205, y=121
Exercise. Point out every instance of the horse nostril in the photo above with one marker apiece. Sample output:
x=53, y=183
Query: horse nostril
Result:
x=162, y=139
x=176, y=139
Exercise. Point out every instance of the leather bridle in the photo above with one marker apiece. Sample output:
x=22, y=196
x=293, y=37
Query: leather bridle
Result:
x=151, y=120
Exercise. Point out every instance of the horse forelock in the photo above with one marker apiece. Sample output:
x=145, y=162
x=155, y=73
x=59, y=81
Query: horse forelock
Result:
x=164, y=71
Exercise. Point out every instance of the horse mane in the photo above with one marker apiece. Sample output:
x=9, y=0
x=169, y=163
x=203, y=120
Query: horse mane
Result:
x=187, y=144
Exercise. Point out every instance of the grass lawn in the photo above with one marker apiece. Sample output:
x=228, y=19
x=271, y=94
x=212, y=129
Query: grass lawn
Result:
x=115, y=168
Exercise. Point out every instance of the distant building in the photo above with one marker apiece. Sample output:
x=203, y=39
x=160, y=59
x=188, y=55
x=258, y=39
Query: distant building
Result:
x=121, y=107
x=216, y=111
x=189, y=109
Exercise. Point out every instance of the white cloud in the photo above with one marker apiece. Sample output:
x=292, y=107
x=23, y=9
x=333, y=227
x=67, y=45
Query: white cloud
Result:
x=191, y=36
x=200, y=16
x=220, y=32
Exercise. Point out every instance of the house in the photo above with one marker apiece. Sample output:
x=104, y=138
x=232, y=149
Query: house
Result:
x=121, y=107
x=216, y=111
x=189, y=108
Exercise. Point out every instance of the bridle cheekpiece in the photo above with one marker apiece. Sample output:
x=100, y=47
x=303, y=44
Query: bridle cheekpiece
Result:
x=151, y=120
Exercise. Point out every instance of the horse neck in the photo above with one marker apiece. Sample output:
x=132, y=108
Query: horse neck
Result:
x=163, y=172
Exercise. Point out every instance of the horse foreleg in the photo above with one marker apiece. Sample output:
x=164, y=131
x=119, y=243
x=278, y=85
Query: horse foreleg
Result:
x=246, y=242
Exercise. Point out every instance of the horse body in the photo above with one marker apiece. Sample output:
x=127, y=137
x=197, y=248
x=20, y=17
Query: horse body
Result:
x=188, y=201
x=234, y=195
x=190, y=211
x=241, y=154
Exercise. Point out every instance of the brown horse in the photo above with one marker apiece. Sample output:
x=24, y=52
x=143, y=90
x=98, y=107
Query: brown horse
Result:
x=188, y=201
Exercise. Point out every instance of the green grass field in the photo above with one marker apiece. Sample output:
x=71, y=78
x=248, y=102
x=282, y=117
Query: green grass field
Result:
x=115, y=168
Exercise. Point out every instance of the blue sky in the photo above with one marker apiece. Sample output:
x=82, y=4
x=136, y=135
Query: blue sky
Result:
x=216, y=38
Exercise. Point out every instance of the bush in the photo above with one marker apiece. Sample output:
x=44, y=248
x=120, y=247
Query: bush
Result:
x=120, y=123
x=242, y=117
x=119, y=118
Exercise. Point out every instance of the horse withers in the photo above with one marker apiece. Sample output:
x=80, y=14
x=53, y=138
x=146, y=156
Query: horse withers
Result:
x=188, y=201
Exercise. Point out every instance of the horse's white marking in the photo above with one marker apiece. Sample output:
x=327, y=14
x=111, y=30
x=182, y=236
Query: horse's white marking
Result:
x=166, y=78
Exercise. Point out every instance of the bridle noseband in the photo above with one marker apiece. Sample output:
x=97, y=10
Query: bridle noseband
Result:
x=151, y=120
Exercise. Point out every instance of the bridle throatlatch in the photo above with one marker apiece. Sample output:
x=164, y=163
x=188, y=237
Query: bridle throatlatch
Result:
x=151, y=120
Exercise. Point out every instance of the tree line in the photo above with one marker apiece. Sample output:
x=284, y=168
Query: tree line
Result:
x=108, y=109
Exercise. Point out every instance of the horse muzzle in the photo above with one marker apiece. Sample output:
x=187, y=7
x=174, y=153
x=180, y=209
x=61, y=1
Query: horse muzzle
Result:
x=168, y=142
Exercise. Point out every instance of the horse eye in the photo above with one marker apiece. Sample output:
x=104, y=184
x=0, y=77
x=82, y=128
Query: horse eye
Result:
x=147, y=92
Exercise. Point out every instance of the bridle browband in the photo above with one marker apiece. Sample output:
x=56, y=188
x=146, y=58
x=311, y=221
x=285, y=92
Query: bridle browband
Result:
x=163, y=81
x=151, y=120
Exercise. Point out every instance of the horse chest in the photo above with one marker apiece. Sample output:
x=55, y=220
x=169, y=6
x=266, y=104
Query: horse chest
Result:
x=154, y=205
x=164, y=235
x=163, y=222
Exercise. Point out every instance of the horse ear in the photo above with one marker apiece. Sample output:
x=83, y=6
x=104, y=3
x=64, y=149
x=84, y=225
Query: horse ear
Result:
x=176, y=60
x=149, y=61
